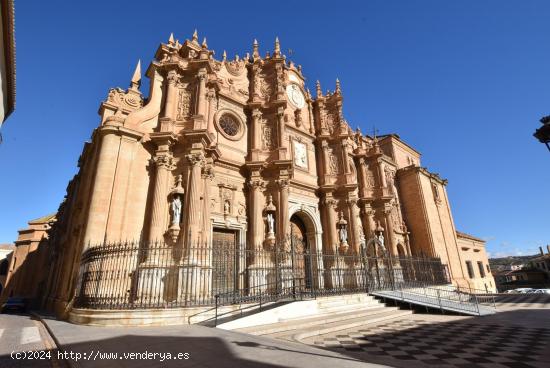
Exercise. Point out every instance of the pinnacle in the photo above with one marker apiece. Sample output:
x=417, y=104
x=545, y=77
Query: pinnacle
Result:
x=318, y=88
x=204, y=44
x=195, y=36
x=277, y=51
x=136, y=78
x=171, y=39
x=224, y=55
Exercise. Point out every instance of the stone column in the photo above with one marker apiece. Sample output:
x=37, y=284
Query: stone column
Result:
x=256, y=186
x=256, y=129
x=207, y=176
x=281, y=133
x=201, y=95
x=326, y=162
x=102, y=186
x=345, y=162
x=211, y=96
x=284, y=224
x=163, y=165
x=171, y=92
x=354, y=224
x=381, y=174
x=363, y=176
x=196, y=161
x=330, y=205
x=392, y=246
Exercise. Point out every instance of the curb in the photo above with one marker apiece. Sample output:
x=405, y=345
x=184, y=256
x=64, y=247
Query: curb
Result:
x=53, y=338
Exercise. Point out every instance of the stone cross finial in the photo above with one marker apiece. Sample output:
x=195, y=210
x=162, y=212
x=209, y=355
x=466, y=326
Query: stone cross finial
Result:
x=136, y=78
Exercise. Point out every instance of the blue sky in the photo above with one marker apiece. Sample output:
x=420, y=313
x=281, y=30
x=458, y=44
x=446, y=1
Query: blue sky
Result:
x=463, y=82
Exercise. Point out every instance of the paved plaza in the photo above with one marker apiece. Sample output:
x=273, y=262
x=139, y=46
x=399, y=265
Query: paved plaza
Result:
x=516, y=337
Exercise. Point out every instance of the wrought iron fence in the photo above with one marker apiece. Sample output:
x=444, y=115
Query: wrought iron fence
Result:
x=138, y=275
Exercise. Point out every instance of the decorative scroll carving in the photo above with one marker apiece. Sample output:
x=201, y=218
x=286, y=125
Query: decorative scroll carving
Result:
x=129, y=100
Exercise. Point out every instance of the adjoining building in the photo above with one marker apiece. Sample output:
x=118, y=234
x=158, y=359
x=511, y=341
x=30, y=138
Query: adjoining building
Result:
x=6, y=251
x=28, y=267
x=7, y=60
x=230, y=177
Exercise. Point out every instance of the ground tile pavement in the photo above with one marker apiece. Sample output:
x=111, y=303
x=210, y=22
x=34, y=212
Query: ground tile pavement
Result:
x=421, y=342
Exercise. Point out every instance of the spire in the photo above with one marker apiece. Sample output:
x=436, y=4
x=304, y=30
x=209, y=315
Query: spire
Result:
x=255, y=51
x=319, y=91
x=224, y=56
x=338, y=90
x=136, y=78
x=195, y=36
x=204, y=44
x=171, y=40
x=277, y=51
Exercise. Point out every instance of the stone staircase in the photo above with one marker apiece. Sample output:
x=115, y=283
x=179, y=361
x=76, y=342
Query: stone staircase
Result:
x=322, y=316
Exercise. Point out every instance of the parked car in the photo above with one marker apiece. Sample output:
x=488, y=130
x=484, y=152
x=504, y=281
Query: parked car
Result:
x=15, y=304
x=541, y=291
x=524, y=290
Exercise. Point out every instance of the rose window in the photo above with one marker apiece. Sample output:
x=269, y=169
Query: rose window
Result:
x=229, y=125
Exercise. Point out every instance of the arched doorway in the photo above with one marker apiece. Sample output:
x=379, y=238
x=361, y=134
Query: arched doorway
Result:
x=301, y=256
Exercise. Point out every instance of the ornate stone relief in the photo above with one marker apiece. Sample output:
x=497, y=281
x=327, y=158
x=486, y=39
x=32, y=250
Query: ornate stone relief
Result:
x=268, y=136
x=130, y=100
x=300, y=154
x=184, y=103
x=371, y=182
x=334, y=165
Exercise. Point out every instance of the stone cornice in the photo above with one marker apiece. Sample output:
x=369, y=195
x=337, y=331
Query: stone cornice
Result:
x=418, y=169
x=120, y=130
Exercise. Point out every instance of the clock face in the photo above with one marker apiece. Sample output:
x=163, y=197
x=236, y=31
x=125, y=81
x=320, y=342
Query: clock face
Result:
x=295, y=96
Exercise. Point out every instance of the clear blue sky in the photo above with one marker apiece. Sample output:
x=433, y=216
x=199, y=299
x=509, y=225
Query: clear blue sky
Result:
x=464, y=82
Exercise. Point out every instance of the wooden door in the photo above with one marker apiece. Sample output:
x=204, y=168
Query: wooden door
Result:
x=224, y=246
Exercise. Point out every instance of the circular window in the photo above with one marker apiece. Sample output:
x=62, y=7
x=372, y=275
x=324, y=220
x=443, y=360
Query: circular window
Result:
x=229, y=125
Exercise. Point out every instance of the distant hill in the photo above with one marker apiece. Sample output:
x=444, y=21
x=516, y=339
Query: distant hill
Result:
x=502, y=261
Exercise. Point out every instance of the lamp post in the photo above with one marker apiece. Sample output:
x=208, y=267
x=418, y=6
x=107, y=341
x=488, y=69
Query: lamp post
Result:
x=543, y=133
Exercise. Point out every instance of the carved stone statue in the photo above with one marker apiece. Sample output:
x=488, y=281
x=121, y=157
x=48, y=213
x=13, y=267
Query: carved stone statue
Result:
x=381, y=239
x=343, y=235
x=270, y=223
x=226, y=207
x=176, y=210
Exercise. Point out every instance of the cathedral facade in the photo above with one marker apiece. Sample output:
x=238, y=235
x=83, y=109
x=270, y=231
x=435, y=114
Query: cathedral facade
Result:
x=239, y=151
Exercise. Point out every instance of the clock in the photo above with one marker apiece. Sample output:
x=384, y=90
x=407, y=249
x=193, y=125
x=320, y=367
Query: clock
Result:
x=295, y=96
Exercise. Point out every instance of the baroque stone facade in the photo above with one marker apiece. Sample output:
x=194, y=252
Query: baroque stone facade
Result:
x=240, y=149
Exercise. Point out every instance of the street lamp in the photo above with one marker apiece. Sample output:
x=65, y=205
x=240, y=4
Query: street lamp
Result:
x=543, y=133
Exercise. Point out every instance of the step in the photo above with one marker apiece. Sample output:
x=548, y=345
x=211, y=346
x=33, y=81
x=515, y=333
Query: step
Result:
x=343, y=301
x=321, y=312
x=304, y=323
x=348, y=324
x=339, y=303
x=348, y=307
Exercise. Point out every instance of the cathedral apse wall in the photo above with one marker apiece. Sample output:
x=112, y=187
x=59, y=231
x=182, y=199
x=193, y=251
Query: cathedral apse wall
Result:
x=238, y=151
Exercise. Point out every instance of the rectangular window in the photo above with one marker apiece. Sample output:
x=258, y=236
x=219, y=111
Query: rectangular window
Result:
x=470, y=269
x=481, y=269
